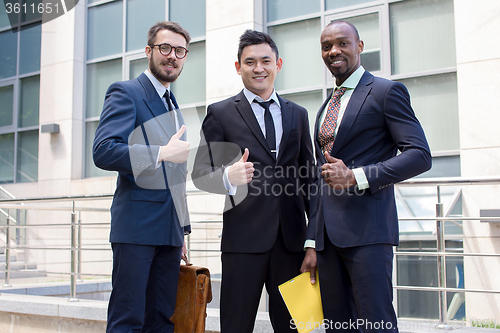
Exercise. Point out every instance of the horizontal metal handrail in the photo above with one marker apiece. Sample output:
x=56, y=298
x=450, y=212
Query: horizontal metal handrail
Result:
x=447, y=254
x=453, y=290
x=449, y=181
x=41, y=203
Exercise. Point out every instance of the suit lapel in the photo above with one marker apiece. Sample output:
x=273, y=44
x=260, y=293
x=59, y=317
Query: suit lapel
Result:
x=287, y=121
x=156, y=106
x=248, y=116
x=356, y=101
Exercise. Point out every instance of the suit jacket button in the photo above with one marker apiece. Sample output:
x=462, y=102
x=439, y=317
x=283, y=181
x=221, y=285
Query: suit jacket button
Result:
x=170, y=165
x=162, y=138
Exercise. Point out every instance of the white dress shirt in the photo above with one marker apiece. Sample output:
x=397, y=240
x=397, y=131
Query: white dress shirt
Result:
x=160, y=89
x=275, y=109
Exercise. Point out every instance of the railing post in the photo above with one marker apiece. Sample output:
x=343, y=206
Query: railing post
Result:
x=441, y=264
x=7, y=251
x=79, y=267
x=72, y=296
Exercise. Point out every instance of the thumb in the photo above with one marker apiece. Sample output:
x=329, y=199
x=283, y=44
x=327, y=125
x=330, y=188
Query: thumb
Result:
x=312, y=276
x=244, y=158
x=329, y=158
x=179, y=133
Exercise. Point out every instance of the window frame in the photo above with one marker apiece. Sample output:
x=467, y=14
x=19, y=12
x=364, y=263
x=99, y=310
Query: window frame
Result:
x=15, y=81
x=127, y=57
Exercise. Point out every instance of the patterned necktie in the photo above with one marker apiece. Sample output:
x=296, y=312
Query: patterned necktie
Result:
x=170, y=106
x=326, y=133
x=270, y=130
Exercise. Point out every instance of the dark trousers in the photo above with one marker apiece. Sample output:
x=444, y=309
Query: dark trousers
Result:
x=244, y=275
x=144, y=288
x=356, y=288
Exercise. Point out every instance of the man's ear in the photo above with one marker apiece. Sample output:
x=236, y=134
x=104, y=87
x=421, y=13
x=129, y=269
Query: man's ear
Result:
x=361, y=47
x=238, y=67
x=279, y=63
x=148, y=51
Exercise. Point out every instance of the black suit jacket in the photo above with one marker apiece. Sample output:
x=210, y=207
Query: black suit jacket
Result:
x=278, y=192
x=377, y=122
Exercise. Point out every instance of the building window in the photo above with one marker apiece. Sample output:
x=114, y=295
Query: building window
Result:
x=119, y=54
x=19, y=97
x=394, y=32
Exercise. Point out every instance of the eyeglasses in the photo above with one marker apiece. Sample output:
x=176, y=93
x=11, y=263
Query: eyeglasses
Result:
x=165, y=49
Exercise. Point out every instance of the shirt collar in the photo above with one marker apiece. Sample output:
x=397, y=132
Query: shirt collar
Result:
x=251, y=96
x=353, y=80
x=160, y=88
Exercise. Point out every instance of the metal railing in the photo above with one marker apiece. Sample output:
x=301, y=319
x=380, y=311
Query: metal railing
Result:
x=440, y=218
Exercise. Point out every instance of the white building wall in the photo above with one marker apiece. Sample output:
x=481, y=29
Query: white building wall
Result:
x=478, y=65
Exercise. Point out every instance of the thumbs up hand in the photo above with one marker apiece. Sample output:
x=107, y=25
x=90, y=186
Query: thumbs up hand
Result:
x=336, y=174
x=241, y=172
x=176, y=150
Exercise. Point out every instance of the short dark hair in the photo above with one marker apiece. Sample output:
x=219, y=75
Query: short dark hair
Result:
x=349, y=24
x=167, y=25
x=254, y=37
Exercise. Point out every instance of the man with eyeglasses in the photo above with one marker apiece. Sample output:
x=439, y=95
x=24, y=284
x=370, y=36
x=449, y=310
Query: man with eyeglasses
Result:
x=141, y=135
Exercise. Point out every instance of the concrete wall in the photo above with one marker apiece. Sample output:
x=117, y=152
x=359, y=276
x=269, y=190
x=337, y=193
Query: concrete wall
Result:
x=478, y=65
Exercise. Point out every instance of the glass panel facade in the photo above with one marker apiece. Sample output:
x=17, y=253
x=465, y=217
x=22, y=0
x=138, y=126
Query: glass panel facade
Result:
x=4, y=18
x=422, y=35
x=104, y=18
x=443, y=166
x=141, y=15
x=137, y=67
x=30, y=48
x=190, y=15
x=27, y=156
x=435, y=102
x=8, y=54
x=29, y=100
x=298, y=41
x=311, y=100
x=191, y=85
x=6, y=105
x=7, y=158
x=337, y=4
x=369, y=32
x=30, y=12
x=99, y=77
x=283, y=9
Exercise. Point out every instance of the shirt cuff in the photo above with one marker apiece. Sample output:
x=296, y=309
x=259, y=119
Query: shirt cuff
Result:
x=158, y=162
x=309, y=243
x=230, y=188
x=361, y=180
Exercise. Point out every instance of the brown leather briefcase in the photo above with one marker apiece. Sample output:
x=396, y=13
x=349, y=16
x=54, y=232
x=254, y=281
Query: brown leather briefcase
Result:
x=194, y=291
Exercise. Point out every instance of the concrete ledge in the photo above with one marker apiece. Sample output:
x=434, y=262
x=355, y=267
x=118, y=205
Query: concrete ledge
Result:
x=29, y=313
x=93, y=289
x=26, y=313
x=53, y=307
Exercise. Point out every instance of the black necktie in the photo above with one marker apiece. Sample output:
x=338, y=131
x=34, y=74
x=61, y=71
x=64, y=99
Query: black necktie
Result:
x=166, y=95
x=270, y=130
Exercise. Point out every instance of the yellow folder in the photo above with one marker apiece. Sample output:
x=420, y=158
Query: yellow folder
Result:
x=303, y=301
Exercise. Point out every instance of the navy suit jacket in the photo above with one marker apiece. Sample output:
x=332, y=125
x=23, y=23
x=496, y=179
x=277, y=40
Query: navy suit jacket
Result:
x=377, y=122
x=278, y=192
x=149, y=206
